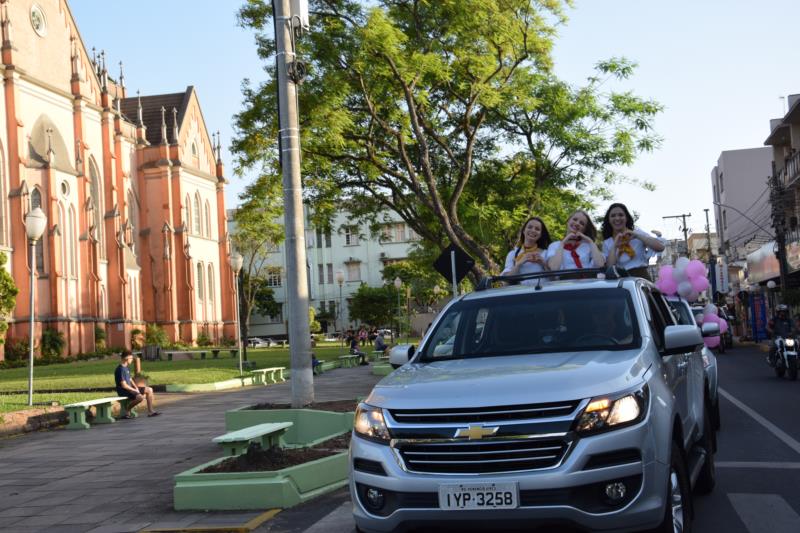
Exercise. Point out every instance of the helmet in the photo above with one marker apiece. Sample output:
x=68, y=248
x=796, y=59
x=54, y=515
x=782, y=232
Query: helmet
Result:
x=782, y=307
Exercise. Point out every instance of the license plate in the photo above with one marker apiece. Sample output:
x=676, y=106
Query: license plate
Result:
x=479, y=496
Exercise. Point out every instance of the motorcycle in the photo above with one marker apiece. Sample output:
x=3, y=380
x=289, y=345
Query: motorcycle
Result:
x=784, y=357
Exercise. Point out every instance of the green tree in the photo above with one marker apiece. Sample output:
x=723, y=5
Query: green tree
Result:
x=447, y=113
x=376, y=306
x=313, y=324
x=8, y=297
x=257, y=230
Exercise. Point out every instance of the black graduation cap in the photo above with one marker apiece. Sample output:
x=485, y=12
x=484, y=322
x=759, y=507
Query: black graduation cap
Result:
x=464, y=263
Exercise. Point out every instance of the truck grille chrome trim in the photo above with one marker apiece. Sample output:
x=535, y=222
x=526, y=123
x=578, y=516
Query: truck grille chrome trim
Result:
x=485, y=414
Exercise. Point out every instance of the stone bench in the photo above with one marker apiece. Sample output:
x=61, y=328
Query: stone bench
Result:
x=268, y=375
x=349, y=361
x=177, y=355
x=319, y=368
x=267, y=434
x=76, y=412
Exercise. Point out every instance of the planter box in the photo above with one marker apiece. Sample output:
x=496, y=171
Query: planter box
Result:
x=258, y=490
x=309, y=427
x=382, y=369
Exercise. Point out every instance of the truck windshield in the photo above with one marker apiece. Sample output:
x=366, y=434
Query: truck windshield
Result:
x=545, y=322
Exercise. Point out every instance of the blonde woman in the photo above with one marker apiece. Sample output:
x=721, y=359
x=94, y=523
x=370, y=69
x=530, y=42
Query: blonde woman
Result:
x=578, y=248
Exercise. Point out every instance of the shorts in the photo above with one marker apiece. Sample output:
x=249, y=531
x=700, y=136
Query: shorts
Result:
x=127, y=394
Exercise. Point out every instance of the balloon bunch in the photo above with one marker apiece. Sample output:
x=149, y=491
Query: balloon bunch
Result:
x=686, y=279
x=710, y=316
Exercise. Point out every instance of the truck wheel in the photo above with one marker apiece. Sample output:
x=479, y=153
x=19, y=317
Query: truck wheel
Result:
x=716, y=416
x=792, y=369
x=677, y=511
x=779, y=371
x=708, y=474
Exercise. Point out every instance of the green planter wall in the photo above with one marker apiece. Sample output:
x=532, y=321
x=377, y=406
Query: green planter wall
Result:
x=258, y=490
x=310, y=426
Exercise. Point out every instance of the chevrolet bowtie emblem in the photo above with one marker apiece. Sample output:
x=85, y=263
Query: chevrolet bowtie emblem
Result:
x=476, y=432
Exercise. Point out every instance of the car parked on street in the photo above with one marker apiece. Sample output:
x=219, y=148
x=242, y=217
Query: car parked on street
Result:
x=258, y=342
x=575, y=402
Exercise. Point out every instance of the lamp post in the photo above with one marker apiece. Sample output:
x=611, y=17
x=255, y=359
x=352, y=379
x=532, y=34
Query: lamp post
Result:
x=236, y=260
x=397, y=284
x=771, y=287
x=35, y=224
x=340, y=281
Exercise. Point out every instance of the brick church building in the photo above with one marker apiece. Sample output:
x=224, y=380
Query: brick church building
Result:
x=132, y=187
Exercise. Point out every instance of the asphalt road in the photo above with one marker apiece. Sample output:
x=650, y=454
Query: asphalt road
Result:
x=758, y=461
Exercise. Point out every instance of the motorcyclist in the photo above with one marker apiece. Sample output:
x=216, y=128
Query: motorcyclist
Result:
x=781, y=325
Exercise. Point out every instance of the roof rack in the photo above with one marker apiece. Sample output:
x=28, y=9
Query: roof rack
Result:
x=611, y=272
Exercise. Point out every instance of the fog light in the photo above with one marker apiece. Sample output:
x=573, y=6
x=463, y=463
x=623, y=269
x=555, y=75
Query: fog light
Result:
x=615, y=491
x=375, y=498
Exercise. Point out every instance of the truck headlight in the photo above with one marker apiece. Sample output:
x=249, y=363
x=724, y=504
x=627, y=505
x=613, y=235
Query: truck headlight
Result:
x=789, y=343
x=370, y=424
x=607, y=413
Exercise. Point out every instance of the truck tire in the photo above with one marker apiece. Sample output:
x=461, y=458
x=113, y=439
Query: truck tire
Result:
x=779, y=371
x=708, y=473
x=677, y=508
x=792, y=370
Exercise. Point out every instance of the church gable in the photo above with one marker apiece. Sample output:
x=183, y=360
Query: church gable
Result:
x=197, y=148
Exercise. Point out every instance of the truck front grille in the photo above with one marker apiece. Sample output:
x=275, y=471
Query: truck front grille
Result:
x=481, y=457
x=484, y=414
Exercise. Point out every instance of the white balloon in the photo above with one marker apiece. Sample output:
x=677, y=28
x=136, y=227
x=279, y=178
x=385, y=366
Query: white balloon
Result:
x=710, y=309
x=681, y=263
x=699, y=318
x=679, y=274
x=685, y=289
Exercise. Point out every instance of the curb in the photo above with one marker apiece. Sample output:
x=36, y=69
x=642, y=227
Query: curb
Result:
x=248, y=526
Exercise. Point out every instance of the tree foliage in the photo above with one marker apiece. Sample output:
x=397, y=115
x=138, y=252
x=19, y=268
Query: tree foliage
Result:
x=8, y=297
x=376, y=306
x=257, y=230
x=447, y=113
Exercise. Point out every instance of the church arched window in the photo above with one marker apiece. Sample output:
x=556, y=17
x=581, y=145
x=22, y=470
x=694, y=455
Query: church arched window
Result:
x=197, y=221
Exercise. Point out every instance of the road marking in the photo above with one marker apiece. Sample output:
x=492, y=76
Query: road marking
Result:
x=765, y=513
x=758, y=464
x=341, y=519
x=772, y=428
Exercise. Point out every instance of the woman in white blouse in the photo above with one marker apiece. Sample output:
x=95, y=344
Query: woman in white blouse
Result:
x=530, y=253
x=626, y=245
x=578, y=248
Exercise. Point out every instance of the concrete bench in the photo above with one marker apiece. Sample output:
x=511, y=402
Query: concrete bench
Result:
x=319, y=368
x=177, y=355
x=349, y=361
x=268, y=375
x=248, y=365
x=76, y=412
x=377, y=355
x=267, y=434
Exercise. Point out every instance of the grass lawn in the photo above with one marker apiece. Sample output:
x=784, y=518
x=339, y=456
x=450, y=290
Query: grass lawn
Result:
x=100, y=374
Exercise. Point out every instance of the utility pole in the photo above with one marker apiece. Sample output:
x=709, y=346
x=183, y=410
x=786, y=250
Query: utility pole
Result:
x=684, y=229
x=711, y=261
x=776, y=192
x=289, y=72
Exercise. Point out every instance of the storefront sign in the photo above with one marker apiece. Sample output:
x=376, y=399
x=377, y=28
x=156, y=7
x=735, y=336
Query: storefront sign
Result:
x=762, y=264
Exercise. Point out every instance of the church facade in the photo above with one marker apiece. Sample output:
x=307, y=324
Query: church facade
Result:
x=132, y=187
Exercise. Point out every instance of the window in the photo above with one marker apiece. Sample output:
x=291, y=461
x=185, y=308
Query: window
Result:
x=197, y=220
x=97, y=218
x=332, y=307
x=321, y=273
x=194, y=150
x=187, y=214
x=351, y=236
x=36, y=201
x=330, y=273
x=721, y=184
x=72, y=237
x=322, y=307
x=274, y=277
x=327, y=235
x=394, y=232
x=208, y=220
x=278, y=318
x=724, y=219
x=328, y=238
x=200, y=283
x=212, y=292
x=353, y=271
x=62, y=225
x=319, y=237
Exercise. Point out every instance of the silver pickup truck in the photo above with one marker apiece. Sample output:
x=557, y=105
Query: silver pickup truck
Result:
x=577, y=403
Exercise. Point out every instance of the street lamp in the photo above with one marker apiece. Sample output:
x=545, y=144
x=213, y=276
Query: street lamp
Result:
x=35, y=224
x=236, y=260
x=397, y=284
x=340, y=281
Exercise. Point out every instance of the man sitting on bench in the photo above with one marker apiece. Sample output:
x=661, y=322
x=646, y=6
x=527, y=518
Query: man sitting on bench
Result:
x=380, y=344
x=355, y=351
x=125, y=387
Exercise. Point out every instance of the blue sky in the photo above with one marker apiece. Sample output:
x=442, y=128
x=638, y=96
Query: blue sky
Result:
x=718, y=67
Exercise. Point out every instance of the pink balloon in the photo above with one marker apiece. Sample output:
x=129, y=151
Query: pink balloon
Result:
x=665, y=272
x=711, y=319
x=699, y=283
x=693, y=296
x=669, y=287
x=695, y=268
x=723, y=325
x=711, y=342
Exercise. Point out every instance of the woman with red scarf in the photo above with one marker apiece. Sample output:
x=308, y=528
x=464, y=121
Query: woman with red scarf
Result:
x=578, y=249
x=530, y=254
x=626, y=245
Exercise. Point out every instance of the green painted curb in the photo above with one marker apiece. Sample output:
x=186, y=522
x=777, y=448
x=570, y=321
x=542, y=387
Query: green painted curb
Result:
x=210, y=387
x=382, y=370
x=258, y=490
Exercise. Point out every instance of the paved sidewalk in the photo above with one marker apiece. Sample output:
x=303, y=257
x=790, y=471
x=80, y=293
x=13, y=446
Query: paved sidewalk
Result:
x=119, y=477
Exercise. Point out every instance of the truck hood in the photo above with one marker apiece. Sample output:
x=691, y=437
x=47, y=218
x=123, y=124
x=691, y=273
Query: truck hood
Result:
x=510, y=380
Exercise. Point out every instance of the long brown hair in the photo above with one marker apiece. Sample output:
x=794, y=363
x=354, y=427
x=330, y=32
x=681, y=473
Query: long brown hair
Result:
x=590, y=230
x=544, y=239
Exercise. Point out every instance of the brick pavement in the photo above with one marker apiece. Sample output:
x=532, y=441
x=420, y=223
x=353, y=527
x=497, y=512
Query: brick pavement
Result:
x=119, y=478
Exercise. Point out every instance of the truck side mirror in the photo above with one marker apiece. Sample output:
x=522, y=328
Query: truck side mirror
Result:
x=401, y=354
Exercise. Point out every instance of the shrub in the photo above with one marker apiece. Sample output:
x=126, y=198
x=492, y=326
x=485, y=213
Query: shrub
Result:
x=17, y=349
x=52, y=343
x=227, y=342
x=136, y=339
x=155, y=335
x=203, y=339
x=99, y=337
